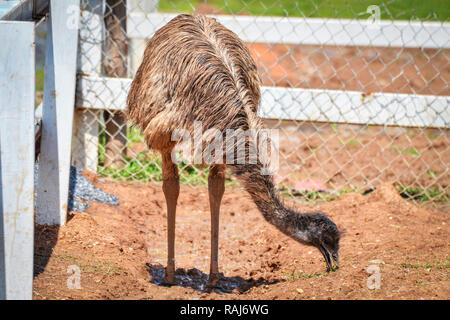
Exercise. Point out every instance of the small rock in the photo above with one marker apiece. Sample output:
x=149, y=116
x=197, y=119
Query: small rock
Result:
x=82, y=191
x=377, y=261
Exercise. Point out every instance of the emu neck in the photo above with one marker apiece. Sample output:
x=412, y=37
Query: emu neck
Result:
x=263, y=193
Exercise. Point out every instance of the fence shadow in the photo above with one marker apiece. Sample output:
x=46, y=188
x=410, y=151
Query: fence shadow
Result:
x=45, y=238
x=196, y=279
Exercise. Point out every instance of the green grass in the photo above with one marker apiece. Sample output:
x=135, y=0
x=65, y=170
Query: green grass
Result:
x=40, y=80
x=433, y=135
x=421, y=195
x=147, y=166
x=311, y=195
x=351, y=143
x=411, y=151
x=300, y=275
x=142, y=167
x=431, y=174
x=39, y=85
x=96, y=267
x=389, y=9
x=134, y=135
x=409, y=193
x=436, y=264
x=334, y=127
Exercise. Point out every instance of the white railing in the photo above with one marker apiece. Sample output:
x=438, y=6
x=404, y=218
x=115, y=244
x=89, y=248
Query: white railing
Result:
x=96, y=92
x=315, y=31
x=334, y=106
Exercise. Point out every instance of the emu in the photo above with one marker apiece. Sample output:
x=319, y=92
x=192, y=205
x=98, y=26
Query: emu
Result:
x=194, y=69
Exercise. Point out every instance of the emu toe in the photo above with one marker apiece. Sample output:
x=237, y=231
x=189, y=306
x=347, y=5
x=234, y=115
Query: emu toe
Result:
x=212, y=282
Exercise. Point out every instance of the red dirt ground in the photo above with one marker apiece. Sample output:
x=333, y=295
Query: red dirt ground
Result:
x=121, y=250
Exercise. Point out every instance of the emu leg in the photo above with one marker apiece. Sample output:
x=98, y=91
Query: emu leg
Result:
x=171, y=189
x=216, y=188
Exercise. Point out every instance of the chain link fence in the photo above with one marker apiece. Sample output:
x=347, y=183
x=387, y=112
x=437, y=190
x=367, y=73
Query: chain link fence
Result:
x=359, y=91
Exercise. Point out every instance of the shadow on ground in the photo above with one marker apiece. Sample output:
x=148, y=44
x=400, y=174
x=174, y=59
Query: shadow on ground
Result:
x=45, y=238
x=196, y=279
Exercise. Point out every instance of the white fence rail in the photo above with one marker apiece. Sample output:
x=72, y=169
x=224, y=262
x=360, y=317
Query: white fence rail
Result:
x=98, y=92
x=315, y=31
x=301, y=104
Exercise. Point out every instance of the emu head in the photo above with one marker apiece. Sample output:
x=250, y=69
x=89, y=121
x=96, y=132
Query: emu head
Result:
x=318, y=230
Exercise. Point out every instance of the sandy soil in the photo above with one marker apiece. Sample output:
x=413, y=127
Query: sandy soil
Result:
x=121, y=251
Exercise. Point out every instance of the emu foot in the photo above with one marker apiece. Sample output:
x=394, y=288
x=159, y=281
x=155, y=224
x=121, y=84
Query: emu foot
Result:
x=169, y=279
x=167, y=282
x=213, y=282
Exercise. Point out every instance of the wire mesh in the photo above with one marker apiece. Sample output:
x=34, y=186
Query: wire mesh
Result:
x=318, y=160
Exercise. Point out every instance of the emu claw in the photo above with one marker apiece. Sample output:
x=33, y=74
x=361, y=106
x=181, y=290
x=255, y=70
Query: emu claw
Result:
x=168, y=281
x=212, y=283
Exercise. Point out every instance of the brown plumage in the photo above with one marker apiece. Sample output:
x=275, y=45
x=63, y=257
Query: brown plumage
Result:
x=194, y=69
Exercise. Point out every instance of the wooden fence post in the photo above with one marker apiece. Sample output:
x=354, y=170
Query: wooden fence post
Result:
x=115, y=66
x=17, y=86
x=58, y=109
x=89, y=61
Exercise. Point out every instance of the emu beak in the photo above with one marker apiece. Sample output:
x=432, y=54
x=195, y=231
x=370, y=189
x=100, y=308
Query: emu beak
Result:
x=330, y=258
x=335, y=256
